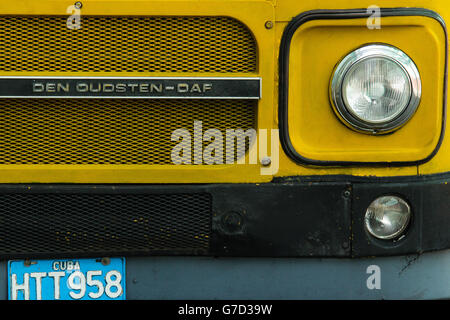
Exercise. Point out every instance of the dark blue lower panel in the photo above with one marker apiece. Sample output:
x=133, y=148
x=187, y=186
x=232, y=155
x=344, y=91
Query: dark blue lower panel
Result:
x=405, y=277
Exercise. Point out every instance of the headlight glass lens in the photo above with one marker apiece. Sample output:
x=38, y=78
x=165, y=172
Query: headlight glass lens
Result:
x=387, y=217
x=376, y=88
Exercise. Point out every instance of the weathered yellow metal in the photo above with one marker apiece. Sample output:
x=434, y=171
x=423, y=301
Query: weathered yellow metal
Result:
x=316, y=48
x=313, y=127
x=439, y=163
x=199, y=43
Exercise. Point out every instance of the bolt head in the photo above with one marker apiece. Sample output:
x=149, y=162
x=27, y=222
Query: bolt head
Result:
x=232, y=222
x=266, y=161
x=268, y=24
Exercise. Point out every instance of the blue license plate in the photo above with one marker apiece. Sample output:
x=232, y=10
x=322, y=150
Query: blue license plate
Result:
x=67, y=279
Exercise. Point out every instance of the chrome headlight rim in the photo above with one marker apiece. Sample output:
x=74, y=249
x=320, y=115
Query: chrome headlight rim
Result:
x=401, y=232
x=365, y=52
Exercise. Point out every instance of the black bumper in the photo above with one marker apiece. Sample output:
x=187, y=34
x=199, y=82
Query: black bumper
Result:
x=290, y=217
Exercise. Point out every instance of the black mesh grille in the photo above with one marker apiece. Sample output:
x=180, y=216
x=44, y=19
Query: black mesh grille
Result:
x=86, y=224
x=110, y=131
x=126, y=44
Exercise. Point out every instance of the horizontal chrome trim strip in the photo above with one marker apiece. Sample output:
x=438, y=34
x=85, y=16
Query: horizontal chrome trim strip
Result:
x=130, y=87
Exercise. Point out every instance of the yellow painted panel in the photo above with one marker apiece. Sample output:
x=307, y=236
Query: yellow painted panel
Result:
x=288, y=9
x=317, y=133
x=261, y=11
x=254, y=14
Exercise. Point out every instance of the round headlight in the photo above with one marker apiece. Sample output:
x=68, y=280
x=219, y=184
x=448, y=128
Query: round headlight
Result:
x=387, y=217
x=376, y=89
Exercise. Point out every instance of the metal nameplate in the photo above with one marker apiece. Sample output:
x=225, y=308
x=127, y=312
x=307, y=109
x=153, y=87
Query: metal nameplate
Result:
x=130, y=87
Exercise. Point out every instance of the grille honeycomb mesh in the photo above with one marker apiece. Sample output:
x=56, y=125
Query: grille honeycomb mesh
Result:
x=109, y=131
x=126, y=44
x=67, y=224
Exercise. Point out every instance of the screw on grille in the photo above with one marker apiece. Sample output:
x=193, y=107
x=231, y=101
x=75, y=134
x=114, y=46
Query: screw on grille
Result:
x=78, y=5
